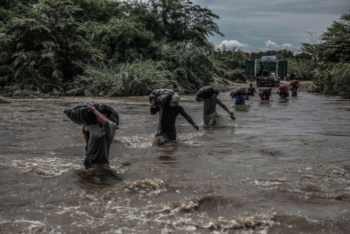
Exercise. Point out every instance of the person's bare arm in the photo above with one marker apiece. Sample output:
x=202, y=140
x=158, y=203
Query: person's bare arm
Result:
x=100, y=117
x=87, y=138
x=224, y=106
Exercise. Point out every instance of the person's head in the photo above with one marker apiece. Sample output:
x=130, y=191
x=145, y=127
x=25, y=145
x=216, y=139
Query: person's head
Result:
x=214, y=94
x=251, y=85
x=105, y=111
x=175, y=99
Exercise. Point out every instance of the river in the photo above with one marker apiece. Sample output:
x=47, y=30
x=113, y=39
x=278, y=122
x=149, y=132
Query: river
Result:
x=278, y=168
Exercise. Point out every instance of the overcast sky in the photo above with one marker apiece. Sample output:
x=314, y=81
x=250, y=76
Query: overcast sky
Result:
x=255, y=25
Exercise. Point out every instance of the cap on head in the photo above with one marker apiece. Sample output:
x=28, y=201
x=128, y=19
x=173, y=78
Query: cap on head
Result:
x=175, y=98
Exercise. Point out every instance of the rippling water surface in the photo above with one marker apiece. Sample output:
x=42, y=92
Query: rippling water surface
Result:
x=279, y=168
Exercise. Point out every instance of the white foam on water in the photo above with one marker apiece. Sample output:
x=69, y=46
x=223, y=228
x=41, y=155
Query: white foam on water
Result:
x=189, y=136
x=136, y=141
x=145, y=141
x=175, y=207
x=222, y=122
x=254, y=220
x=243, y=222
x=182, y=216
x=31, y=226
x=265, y=183
x=326, y=172
x=44, y=166
x=148, y=187
x=187, y=139
x=322, y=181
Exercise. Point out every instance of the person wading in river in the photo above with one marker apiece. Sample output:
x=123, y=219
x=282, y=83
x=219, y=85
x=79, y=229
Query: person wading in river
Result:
x=294, y=89
x=264, y=96
x=167, y=116
x=251, y=90
x=98, y=137
x=210, y=116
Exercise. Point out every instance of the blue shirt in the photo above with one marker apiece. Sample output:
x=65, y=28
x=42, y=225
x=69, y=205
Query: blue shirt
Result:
x=238, y=100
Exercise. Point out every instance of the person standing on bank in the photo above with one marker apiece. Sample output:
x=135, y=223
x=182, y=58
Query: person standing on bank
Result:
x=210, y=116
x=167, y=118
x=98, y=137
x=275, y=80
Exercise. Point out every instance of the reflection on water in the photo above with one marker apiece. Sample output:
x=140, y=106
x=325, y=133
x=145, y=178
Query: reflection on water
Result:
x=278, y=168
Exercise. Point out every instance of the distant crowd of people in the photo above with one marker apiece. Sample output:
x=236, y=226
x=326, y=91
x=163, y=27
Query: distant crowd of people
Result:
x=99, y=136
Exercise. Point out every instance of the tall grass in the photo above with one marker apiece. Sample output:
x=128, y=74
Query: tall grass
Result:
x=126, y=79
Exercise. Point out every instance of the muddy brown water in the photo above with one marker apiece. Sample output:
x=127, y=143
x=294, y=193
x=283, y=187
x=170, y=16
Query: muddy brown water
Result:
x=279, y=168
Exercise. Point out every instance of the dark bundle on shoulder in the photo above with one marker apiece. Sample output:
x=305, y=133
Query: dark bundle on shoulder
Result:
x=205, y=92
x=162, y=96
x=239, y=91
x=79, y=114
x=266, y=91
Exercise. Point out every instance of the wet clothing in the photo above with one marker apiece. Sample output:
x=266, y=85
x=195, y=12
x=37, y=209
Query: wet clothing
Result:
x=240, y=101
x=264, y=97
x=210, y=105
x=207, y=118
x=284, y=95
x=294, y=91
x=251, y=91
x=99, y=143
x=167, y=118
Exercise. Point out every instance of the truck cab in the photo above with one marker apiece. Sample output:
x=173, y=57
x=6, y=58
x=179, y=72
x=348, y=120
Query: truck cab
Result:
x=264, y=70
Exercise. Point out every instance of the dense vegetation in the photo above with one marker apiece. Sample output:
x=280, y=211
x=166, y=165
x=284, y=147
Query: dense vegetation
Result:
x=104, y=47
x=332, y=58
x=120, y=48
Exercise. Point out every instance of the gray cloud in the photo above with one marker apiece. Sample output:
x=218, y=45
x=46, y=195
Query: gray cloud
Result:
x=286, y=23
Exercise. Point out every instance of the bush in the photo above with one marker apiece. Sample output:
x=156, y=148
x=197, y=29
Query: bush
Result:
x=127, y=79
x=193, y=60
x=39, y=51
x=182, y=80
x=304, y=68
x=341, y=79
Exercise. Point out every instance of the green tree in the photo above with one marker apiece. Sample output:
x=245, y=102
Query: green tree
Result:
x=44, y=47
x=177, y=20
x=98, y=10
x=15, y=8
x=120, y=39
x=335, y=45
